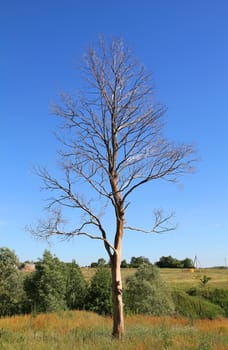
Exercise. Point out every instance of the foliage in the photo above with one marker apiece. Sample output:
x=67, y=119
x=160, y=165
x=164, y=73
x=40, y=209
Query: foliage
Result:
x=146, y=293
x=46, y=287
x=218, y=296
x=100, y=262
x=11, y=283
x=139, y=261
x=170, y=262
x=195, y=307
x=99, y=298
x=124, y=264
x=204, y=280
x=76, y=287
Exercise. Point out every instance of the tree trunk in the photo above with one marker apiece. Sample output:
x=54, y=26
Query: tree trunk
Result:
x=118, y=316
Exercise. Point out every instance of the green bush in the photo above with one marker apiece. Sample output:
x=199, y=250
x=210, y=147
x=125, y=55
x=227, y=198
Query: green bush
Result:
x=219, y=297
x=76, y=287
x=216, y=296
x=46, y=287
x=99, y=297
x=11, y=284
x=195, y=306
x=146, y=293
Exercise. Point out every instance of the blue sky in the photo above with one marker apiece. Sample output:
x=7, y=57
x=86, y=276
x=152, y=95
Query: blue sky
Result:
x=184, y=44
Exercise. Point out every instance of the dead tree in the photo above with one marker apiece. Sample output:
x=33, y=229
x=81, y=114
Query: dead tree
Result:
x=111, y=144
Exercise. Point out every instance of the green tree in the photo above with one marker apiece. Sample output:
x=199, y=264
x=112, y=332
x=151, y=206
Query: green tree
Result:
x=99, y=297
x=146, y=293
x=100, y=262
x=46, y=287
x=168, y=261
x=187, y=263
x=11, y=283
x=76, y=287
x=124, y=264
x=112, y=143
x=138, y=261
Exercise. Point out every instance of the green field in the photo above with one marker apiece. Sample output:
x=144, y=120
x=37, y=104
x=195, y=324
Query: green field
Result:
x=178, y=278
x=79, y=330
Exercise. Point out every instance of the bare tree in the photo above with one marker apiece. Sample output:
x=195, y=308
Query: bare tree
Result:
x=111, y=144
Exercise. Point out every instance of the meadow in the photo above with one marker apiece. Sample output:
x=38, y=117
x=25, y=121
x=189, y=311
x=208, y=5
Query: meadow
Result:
x=178, y=278
x=85, y=330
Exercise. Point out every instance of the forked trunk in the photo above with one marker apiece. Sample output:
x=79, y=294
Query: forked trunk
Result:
x=118, y=315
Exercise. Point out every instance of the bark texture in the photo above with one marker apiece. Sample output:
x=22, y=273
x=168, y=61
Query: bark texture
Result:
x=118, y=312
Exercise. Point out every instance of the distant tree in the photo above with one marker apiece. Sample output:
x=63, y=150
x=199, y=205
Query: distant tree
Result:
x=138, y=261
x=111, y=144
x=124, y=264
x=170, y=262
x=146, y=293
x=99, y=298
x=11, y=283
x=93, y=264
x=187, y=263
x=166, y=261
x=76, y=287
x=100, y=262
x=46, y=287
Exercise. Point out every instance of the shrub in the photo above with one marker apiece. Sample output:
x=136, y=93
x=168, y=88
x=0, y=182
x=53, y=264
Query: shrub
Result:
x=216, y=296
x=11, y=284
x=219, y=297
x=46, y=287
x=76, y=287
x=99, y=298
x=195, y=306
x=146, y=293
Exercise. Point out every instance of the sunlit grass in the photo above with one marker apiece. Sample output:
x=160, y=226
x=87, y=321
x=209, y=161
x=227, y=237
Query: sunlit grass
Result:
x=178, y=278
x=86, y=330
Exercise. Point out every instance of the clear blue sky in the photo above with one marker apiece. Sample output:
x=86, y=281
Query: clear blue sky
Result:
x=185, y=44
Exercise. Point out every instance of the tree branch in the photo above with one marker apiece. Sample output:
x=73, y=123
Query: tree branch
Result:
x=162, y=224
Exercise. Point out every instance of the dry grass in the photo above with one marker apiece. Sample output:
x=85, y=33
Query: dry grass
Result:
x=84, y=331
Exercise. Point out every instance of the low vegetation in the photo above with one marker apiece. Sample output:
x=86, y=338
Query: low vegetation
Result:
x=149, y=290
x=88, y=331
x=61, y=303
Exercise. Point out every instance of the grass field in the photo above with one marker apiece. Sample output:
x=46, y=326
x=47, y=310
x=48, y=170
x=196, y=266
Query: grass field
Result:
x=84, y=331
x=80, y=330
x=178, y=278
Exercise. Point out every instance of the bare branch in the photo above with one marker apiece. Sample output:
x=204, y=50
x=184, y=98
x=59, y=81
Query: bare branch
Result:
x=161, y=224
x=55, y=226
x=111, y=144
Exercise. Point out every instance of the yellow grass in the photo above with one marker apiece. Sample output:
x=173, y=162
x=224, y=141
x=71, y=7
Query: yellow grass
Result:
x=85, y=330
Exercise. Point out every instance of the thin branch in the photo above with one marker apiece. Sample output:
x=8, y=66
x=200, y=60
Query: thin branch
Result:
x=162, y=224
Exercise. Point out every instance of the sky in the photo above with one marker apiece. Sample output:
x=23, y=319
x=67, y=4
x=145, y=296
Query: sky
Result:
x=184, y=44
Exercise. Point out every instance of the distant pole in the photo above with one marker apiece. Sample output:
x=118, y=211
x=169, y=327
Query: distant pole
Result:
x=196, y=262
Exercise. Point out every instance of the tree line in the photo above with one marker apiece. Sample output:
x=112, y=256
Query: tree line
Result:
x=135, y=262
x=55, y=285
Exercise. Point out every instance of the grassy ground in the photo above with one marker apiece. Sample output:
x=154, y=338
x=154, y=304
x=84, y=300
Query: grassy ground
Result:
x=84, y=331
x=178, y=278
